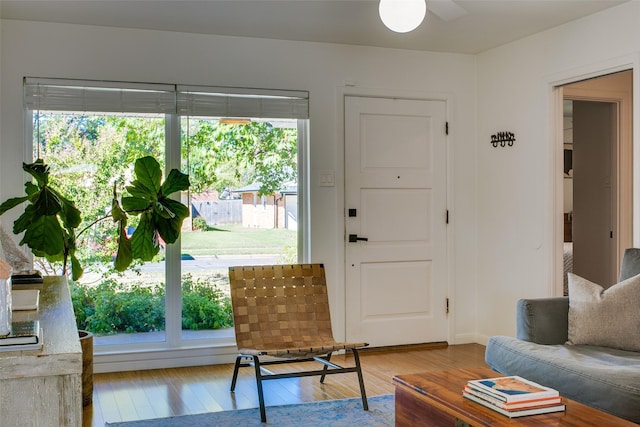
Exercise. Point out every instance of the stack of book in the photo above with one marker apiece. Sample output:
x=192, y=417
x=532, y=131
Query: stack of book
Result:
x=514, y=396
x=25, y=335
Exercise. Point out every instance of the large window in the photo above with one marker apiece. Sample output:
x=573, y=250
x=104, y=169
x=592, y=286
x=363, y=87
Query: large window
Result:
x=231, y=162
x=236, y=145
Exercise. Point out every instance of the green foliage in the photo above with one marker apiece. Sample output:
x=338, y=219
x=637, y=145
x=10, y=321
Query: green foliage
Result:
x=83, y=307
x=225, y=156
x=112, y=307
x=49, y=220
x=200, y=223
x=204, y=306
x=289, y=255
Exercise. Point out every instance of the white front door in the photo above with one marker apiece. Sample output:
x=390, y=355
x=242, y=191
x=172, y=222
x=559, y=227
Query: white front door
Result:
x=395, y=198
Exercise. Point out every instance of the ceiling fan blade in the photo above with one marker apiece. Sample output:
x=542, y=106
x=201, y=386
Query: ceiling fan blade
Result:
x=447, y=10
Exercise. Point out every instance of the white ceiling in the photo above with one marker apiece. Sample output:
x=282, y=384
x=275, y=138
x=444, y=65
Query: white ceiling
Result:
x=488, y=23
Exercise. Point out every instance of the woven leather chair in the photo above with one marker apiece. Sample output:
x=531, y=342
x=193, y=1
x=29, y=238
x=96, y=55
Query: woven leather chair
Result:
x=281, y=312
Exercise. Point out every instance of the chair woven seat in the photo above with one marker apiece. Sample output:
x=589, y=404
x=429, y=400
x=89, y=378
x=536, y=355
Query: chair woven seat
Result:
x=282, y=311
x=302, y=350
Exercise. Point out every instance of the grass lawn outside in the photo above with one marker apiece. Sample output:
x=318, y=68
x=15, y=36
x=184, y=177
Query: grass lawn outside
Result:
x=238, y=240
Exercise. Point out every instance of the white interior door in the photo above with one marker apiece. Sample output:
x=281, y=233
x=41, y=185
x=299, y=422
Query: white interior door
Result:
x=395, y=191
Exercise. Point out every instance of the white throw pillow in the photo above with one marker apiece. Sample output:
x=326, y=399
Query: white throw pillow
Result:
x=606, y=318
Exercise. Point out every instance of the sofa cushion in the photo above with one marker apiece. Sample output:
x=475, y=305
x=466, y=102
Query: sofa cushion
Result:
x=608, y=318
x=543, y=320
x=630, y=265
x=601, y=377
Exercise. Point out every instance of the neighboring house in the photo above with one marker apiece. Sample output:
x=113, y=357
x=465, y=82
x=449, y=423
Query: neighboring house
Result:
x=278, y=210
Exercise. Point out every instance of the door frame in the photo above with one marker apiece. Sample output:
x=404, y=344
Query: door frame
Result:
x=555, y=85
x=338, y=313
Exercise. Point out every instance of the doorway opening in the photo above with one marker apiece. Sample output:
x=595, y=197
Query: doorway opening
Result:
x=597, y=173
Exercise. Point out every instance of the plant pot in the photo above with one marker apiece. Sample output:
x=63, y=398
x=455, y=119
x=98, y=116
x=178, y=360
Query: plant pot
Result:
x=86, y=342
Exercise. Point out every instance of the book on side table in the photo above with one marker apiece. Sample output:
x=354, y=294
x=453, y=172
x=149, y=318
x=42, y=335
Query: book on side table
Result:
x=25, y=335
x=514, y=396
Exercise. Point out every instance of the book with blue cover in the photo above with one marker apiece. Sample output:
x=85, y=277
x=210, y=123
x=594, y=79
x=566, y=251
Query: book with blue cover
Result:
x=512, y=388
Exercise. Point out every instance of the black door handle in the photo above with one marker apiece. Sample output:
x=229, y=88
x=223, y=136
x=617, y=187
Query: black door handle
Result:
x=354, y=238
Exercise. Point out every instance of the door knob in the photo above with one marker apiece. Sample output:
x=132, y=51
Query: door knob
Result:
x=354, y=238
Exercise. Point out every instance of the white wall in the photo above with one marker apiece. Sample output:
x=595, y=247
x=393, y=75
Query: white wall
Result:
x=502, y=238
x=516, y=186
x=72, y=51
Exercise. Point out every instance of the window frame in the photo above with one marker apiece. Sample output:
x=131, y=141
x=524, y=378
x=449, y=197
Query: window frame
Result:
x=176, y=351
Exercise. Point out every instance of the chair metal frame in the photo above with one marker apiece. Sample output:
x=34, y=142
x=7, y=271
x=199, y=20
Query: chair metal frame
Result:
x=281, y=312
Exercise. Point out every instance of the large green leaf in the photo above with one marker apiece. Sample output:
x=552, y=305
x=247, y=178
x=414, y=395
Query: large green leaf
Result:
x=70, y=215
x=136, y=204
x=169, y=228
x=176, y=181
x=12, y=203
x=59, y=257
x=138, y=189
x=76, y=267
x=148, y=174
x=163, y=211
x=39, y=170
x=25, y=220
x=117, y=213
x=144, y=241
x=47, y=202
x=45, y=234
x=124, y=257
x=31, y=189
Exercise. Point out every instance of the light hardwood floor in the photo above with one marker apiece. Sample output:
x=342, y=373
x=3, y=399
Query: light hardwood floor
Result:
x=125, y=396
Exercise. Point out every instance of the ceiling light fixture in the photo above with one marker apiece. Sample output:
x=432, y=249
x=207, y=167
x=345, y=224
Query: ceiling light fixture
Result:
x=402, y=16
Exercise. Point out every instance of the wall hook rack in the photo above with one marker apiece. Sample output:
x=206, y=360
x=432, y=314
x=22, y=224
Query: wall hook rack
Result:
x=503, y=139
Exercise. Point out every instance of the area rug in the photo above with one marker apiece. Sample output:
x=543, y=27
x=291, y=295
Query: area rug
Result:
x=335, y=413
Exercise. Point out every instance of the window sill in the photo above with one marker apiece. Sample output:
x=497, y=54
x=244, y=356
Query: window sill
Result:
x=159, y=354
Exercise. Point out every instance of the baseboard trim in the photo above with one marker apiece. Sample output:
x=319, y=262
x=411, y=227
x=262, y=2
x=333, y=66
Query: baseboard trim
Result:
x=405, y=347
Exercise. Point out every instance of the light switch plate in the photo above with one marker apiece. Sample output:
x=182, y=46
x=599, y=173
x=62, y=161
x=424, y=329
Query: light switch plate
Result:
x=327, y=178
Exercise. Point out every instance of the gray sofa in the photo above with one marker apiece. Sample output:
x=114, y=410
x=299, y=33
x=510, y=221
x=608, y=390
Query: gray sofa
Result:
x=601, y=377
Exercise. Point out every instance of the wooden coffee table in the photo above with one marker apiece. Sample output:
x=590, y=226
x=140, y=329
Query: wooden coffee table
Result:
x=435, y=399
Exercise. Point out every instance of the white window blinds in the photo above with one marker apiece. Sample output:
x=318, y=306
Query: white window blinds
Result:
x=100, y=96
x=238, y=102
x=94, y=96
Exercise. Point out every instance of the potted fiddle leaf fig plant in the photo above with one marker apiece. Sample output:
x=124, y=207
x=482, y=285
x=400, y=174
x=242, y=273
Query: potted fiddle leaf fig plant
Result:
x=50, y=221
